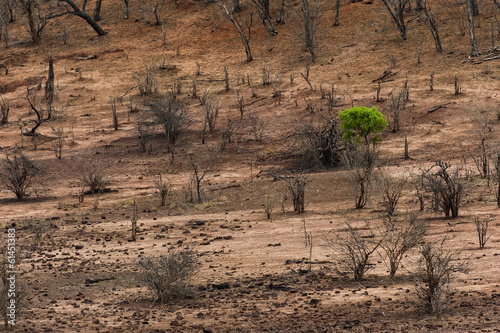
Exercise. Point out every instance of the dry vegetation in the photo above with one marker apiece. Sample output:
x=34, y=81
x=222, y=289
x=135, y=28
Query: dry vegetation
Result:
x=164, y=162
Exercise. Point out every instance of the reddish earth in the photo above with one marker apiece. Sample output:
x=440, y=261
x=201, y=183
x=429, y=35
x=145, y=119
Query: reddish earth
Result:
x=261, y=260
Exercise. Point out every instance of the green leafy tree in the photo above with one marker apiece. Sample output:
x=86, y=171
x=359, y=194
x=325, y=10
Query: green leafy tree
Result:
x=362, y=123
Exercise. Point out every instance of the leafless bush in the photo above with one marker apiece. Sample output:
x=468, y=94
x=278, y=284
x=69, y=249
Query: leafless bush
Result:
x=268, y=205
x=146, y=129
x=480, y=155
x=399, y=238
x=211, y=109
x=333, y=98
x=169, y=276
x=437, y=265
x=266, y=75
x=58, y=142
x=445, y=187
x=205, y=96
x=257, y=126
x=361, y=163
x=93, y=177
x=296, y=183
x=239, y=99
x=147, y=82
x=353, y=248
x=319, y=142
x=201, y=166
x=227, y=133
x=391, y=189
x=38, y=228
x=396, y=108
x=172, y=115
x=152, y=7
x=20, y=175
x=164, y=189
x=482, y=231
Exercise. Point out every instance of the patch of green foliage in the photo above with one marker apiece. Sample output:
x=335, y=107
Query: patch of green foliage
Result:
x=362, y=123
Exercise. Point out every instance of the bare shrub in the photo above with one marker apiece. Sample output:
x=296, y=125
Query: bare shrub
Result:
x=266, y=75
x=38, y=228
x=392, y=189
x=20, y=175
x=319, y=142
x=93, y=178
x=147, y=82
x=296, y=183
x=445, y=187
x=201, y=166
x=168, y=276
x=172, y=115
x=227, y=133
x=58, y=142
x=211, y=109
x=482, y=231
x=361, y=163
x=239, y=99
x=396, y=107
x=268, y=205
x=146, y=130
x=257, y=126
x=481, y=120
x=437, y=264
x=353, y=248
x=152, y=8
x=164, y=188
x=399, y=238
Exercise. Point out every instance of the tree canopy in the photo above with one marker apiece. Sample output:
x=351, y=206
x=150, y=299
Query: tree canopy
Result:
x=360, y=122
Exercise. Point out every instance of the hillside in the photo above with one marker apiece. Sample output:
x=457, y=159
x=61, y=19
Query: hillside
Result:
x=76, y=259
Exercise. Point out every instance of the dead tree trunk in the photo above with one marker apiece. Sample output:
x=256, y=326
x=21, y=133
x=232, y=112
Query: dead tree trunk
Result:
x=36, y=23
x=310, y=17
x=49, y=88
x=97, y=11
x=262, y=7
x=76, y=11
x=125, y=2
x=337, y=12
x=470, y=18
x=241, y=25
x=396, y=9
x=281, y=18
x=431, y=24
